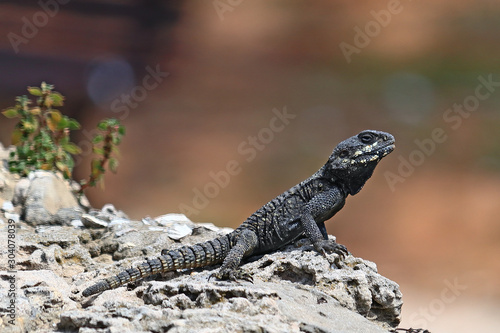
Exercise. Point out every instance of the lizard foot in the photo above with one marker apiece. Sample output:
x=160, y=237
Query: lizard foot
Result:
x=329, y=246
x=231, y=275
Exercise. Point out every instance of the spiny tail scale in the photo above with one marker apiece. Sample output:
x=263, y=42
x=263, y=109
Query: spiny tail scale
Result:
x=199, y=255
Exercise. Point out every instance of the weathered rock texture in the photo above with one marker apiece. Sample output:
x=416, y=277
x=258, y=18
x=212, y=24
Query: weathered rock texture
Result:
x=47, y=199
x=294, y=290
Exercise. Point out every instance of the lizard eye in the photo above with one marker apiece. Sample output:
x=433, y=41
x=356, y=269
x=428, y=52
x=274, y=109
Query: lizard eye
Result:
x=367, y=138
x=343, y=154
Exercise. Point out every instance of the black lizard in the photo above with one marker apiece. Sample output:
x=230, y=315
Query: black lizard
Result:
x=302, y=210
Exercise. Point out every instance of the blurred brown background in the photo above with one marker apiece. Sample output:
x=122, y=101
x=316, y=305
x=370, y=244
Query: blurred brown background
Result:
x=195, y=83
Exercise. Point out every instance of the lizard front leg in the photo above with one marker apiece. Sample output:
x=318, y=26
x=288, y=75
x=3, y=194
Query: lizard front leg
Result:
x=246, y=243
x=319, y=208
x=322, y=229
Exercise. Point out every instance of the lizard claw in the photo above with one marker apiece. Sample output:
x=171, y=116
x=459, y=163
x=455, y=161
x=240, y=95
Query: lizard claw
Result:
x=231, y=275
x=245, y=276
x=213, y=275
x=329, y=246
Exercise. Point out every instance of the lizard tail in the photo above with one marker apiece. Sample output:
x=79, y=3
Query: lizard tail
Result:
x=199, y=255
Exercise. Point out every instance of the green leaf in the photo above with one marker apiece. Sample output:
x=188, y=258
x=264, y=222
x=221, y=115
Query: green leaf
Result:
x=56, y=98
x=17, y=134
x=113, y=122
x=22, y=166
x=35, y=111
x=53, y=120
x=95, y=167
x=49, y=156
x=51, y=124
x=98, y=150
x=121, y=130
x=61, y=154
x=97, y=139
x=22, y=151
x=63, y=123
x=64, y=168
x=71, y=148
x=35, y=91
x=22, y=103
x=64, y=140
x=116, y=140
x=56, y=116
x=113, y=164
x=102, y=125
x=73, y=124
x=69, y=162
x=10, y=112
x=45, y=139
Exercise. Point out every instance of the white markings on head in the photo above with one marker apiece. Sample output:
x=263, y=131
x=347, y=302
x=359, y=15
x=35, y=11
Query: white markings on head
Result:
x=357, y=153
x=369, y=148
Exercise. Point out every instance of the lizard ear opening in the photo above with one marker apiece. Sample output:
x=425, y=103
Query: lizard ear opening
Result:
x=344, y=153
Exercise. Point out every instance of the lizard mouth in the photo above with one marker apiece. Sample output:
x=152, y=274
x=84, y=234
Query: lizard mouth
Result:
x=375, y=155
x=386, y=150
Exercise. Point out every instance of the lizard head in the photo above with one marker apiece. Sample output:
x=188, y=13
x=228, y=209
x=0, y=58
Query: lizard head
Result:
x=353, y=160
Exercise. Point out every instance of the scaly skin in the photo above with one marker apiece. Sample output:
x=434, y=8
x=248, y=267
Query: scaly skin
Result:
x=302, y=210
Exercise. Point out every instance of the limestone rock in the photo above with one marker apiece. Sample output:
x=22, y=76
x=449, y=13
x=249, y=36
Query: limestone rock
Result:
x=188, y=303
x=93, y=222
x=21, y=191
x=54, y=248
x=7, y=206
x=12, y=216
x=102, y=218
x=294, y=290
x=40, y=297
x=46, y=195
x=353, y=282
x=109, y=213
x=7, y=183
x=177, y=225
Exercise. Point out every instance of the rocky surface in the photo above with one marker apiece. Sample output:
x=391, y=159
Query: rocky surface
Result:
x=46, y=198
x=294, y=290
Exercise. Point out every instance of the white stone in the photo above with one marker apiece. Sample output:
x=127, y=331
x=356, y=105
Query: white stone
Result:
x=7, y=206
x=93, y=222
x=179, y=230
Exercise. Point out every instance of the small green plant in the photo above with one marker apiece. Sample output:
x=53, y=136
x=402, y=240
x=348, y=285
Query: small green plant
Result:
x=42, y=134
x=105, y=146
x=42, y=137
